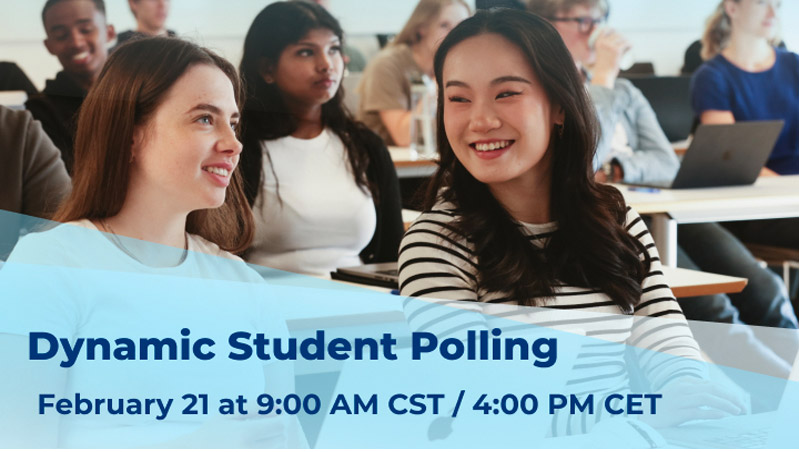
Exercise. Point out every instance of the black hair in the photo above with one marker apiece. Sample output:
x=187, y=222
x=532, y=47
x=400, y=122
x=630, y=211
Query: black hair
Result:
x=591, y=247
x=98, y=4
x=265, y=115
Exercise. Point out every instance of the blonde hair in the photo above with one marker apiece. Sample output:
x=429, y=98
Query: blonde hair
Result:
x=426, y=11
x=549, y=9
x=717, y=32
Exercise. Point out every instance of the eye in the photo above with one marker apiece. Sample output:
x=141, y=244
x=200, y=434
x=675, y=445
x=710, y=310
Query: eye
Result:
x=305, y=52
x=458, y=99
x=506, y=94
x=335, y=49
x=234, y=124
x=205, y=120
x=87, y=30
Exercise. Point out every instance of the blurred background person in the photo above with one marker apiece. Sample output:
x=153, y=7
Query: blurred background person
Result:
x=385, y=87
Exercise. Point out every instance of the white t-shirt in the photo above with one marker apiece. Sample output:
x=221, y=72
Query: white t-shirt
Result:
x=73, y=282
x=312, y=218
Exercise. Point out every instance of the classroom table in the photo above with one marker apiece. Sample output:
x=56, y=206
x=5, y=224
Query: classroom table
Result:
x=408, y=164
x=767, y=198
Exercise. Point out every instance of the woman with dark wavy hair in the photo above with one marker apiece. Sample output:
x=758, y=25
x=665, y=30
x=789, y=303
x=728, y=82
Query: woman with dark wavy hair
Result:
x=323, y=187
x=515, y=217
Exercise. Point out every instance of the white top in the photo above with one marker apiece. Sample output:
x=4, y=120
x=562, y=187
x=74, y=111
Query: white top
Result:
x=72, y=282
x=313, y=218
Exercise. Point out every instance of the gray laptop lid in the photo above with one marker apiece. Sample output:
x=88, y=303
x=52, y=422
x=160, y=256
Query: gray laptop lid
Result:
x=727, y=154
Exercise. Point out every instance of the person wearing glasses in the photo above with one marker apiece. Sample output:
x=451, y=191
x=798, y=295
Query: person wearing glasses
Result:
x=634, y=149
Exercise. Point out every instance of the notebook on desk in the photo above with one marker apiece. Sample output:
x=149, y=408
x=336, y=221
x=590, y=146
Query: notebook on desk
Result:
x=725, y=154
x=383, y=275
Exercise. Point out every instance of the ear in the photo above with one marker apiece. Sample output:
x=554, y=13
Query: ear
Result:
x=49, y=46
x=730, y=8
x=139, y=135
x=267, y=70
x=111, y=33
x=558, y=115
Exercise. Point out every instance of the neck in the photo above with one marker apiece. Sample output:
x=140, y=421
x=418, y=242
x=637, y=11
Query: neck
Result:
x=150, y=31
x=309, y=121
x=146, y=216
x=423, y=57
x=749, y=53
x=525, y=200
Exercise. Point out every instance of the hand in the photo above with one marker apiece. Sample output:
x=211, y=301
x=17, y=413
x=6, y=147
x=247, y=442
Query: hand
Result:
x=690, y=399
x=610, y=46
x=765, y=172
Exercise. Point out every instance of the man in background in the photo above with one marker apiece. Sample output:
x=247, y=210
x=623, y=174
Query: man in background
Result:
x=150, y=20
x=78, y=35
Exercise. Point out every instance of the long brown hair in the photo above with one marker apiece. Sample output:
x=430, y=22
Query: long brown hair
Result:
x=591, y=247
x=131, y=86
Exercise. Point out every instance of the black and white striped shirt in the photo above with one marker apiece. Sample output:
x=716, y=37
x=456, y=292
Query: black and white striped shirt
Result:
x=439, y=265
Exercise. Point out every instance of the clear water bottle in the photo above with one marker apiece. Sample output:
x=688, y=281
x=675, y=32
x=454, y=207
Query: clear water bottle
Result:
x=423, y=114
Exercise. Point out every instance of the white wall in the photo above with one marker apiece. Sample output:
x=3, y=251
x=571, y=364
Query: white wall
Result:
x=660, y=30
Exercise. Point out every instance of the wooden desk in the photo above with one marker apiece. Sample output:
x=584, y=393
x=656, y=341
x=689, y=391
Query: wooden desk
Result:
x=769, y=197
x=409, y=165
x=683, y=282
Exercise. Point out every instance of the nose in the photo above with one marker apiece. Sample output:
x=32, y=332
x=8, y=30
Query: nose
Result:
x=76, y=39
x=229, y=143
x=483, y=118
x=324, y=63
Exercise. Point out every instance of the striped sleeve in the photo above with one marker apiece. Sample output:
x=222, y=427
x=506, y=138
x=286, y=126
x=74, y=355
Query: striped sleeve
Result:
x=438, y=276
x=660, y=333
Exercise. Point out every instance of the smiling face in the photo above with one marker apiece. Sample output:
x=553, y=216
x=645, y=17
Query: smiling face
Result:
x=78, y=36
x=754, y=17
x=498, y=120
x=308, y=73
x=187, y=151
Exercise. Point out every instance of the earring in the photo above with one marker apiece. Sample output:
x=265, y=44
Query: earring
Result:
x=559, y=130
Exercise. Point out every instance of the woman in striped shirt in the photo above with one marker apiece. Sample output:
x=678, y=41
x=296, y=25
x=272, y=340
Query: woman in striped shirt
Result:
x=514, y=220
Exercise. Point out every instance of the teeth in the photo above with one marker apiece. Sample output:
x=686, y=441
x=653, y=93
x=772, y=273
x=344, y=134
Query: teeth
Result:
x=80, y=56
x=218, y=171
x=491, y=146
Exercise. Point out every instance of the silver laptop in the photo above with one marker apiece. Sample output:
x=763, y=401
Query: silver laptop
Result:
x=725, y=154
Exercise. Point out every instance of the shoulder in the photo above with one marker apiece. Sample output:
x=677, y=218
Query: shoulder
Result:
x=60, y=245
x=787, y=58
x=201, y=245
x=716, y=68
x=435, y=232
x=14, y=120
x=392, y=62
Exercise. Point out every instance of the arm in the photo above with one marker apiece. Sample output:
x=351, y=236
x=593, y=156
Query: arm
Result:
x=435, y=266
x=398, y=123
x=45, y=179
x=653, y=158
x=667, y=353
x=386, y=90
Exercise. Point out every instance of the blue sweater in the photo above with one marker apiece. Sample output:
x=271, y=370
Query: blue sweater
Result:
x=752, y=96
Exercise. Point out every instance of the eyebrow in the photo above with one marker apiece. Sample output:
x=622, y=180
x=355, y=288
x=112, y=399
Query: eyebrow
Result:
x=211, y=109
x=496, y=81
x=80, y=22
x=335, y=39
